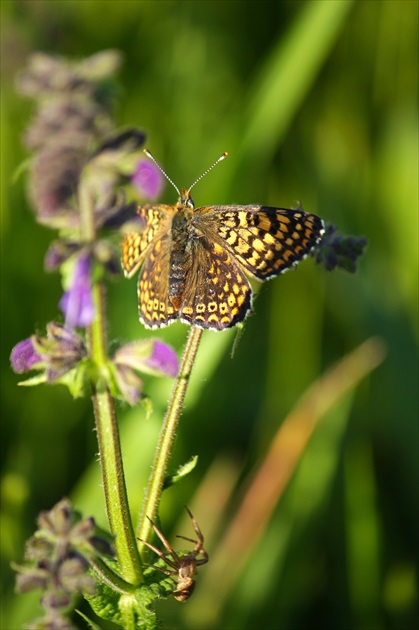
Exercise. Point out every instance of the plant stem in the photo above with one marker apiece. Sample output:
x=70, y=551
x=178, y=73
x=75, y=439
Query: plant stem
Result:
x=167, y=436
x=116, y=499
x=109, y=577
x=87, y=217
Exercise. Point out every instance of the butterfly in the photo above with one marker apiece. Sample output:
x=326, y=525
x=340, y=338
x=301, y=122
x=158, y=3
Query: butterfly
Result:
x=195, y=261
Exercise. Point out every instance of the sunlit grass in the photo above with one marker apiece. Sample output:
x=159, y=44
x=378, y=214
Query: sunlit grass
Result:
x=317, y=102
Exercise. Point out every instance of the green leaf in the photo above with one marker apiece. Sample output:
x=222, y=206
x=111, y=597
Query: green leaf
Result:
x=90, y=623
x=132, y=611
x=21, y=169
x=148, y=406
x=105, y=603
x=76, y=379
x=146, y=595
x=181, y=472
x=34, y=380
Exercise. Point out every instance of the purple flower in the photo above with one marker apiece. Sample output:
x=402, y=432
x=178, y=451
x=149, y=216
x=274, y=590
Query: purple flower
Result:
x=148, y=180
x=58, y=252
x=56, y=354
x=24, y=356
x=150, y=356
x=76, y=303
x=129, y=384
x=162, y=359
x=57, y=561
x=54, y=175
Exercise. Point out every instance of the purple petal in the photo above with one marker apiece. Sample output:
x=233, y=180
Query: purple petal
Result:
x=77, y=307
x=24, y=357
x=58, y=252
x=163, y=358
x=148, y=355
x=148, y=180
x=76, y=303
x=129, y=384
x=53, y=259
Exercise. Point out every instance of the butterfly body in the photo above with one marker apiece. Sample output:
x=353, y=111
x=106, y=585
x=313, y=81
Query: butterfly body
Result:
x=194, y=261
x=180, y=249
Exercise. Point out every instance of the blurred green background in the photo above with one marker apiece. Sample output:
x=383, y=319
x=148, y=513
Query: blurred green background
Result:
x=315, y=102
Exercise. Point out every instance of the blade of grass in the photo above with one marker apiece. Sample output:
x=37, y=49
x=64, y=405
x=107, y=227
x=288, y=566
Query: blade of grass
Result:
x=271, y=478
x=289, y=73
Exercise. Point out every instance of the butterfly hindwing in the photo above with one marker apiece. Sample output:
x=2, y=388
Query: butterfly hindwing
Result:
x=217, y=293
x=154, y=307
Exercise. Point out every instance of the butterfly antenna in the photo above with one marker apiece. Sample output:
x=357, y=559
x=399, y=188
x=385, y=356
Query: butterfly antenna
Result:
x=148, y=154
x=224, y=155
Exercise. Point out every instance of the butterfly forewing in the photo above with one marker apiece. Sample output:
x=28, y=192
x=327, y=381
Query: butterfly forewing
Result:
x=265, y=240
x=151, y=219
x=194, y=264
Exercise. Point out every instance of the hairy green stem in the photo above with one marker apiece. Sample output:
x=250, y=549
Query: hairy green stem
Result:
x=109, y=577
x=116, y=498
x=167, y=436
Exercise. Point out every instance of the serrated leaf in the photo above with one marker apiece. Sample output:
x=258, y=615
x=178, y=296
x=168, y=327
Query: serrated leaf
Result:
x=146, y=595
x=131, y=611
x=105, y=603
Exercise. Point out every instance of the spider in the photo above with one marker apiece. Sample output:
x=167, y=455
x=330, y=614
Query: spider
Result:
x=183, y=567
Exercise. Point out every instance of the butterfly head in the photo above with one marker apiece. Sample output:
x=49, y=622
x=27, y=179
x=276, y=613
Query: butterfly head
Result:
x=185, y=201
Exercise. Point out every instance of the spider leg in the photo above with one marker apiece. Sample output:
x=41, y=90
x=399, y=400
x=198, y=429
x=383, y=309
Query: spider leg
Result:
x=165, y=543
x=165, y=571
x=161, y=555
x=197, y=550
x=199, y=545
x=203, y=560
x=186, y=538
x=195, y=526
